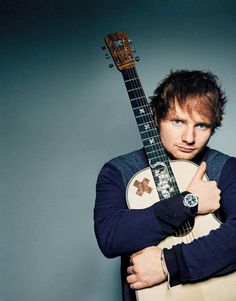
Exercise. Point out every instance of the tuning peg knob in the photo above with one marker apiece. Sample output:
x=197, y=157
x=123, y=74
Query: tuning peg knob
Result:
x=133, y=50
x=111, y=65
x=107, y=56
x=137, y=58
x=103, y=47
x=130, y=40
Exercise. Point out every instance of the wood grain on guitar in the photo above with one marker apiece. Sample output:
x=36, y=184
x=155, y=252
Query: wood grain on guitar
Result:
x=120, y=49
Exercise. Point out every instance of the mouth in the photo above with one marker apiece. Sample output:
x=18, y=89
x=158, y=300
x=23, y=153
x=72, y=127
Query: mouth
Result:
x=185, y=149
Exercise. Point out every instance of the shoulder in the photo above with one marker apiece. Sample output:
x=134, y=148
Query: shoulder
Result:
x=229, y=169
x=133, y=158
x=129, y=164
x=216, y=161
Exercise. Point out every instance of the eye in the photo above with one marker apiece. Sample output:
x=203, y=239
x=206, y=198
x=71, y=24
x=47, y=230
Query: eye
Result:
x=177, y=122
x=202, y=126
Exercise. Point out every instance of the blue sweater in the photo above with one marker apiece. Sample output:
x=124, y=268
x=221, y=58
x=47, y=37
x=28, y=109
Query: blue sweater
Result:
x=121, y=231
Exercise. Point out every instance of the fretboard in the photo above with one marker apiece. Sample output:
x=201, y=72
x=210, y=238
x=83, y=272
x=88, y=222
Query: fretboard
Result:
x=155, y=152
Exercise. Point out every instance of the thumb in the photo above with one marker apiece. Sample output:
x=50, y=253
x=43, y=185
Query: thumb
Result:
x=200, y=172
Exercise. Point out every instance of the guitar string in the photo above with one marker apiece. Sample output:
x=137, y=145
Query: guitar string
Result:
x=150, y=119
x=186, y=226
x=140, y=97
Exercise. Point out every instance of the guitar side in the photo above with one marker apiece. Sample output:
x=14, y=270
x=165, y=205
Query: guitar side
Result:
x=144, y=195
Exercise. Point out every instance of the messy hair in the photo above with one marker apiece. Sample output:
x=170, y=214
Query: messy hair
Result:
x=198, y=90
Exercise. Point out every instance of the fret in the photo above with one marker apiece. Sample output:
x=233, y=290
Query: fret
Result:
x=128, y=80
x=150, y=123
x=145, y=106
x=135, y=94
x=161, y=156
x=142, y=110
x=147, y=126
x=153, y=151
x=142, y=97
x=137, y=102
x=147, y=131
x=130, y=74
x=131, y=87
x=150, y=142
x=157, y=147
x=134, y=89
x=149, y=134
x=143, y=115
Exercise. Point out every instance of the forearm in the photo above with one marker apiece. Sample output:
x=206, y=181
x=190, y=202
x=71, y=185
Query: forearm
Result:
x=122, y=231
x=214, y=254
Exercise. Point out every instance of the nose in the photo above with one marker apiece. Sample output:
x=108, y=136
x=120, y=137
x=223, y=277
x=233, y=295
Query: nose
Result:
x=188, y=135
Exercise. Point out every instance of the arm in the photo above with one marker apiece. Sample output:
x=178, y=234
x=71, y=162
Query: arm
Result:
x=147, y=271
x=122, y=231
x=214, y=254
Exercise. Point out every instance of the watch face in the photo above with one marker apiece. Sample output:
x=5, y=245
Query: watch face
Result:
x=190, y=200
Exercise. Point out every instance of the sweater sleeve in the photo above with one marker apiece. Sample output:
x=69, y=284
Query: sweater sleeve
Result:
x=122, y=231
x=214, y=254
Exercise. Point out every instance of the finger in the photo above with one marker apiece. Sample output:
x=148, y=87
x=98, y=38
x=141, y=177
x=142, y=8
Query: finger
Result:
x=132, y=279
x=200, y=172
x=130, y=270
x=137, y=285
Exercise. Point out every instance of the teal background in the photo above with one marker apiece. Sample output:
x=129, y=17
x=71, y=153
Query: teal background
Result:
x=64, y=113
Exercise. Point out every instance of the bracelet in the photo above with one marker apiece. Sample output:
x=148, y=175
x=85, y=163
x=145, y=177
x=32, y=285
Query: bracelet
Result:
x=164, y=269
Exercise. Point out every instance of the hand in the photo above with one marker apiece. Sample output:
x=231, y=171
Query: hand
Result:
x=146, y=268
x=207, y=191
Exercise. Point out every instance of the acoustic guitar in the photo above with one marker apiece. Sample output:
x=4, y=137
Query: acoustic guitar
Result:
x=161, y=180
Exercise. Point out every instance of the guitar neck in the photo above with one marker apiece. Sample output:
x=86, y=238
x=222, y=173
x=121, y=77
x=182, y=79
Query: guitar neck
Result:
x=155, y=152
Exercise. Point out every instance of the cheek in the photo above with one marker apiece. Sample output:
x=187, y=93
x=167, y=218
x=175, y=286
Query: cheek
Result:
x=167, y=136
x=204, y=138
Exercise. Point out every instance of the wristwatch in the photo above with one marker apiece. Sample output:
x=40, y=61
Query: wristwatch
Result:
x=190, y=200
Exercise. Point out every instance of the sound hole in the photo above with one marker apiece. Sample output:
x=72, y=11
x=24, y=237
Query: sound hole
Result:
x=185, y=228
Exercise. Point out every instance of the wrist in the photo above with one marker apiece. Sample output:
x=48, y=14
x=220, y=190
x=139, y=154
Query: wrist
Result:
x=164, y=267
x=190, y=200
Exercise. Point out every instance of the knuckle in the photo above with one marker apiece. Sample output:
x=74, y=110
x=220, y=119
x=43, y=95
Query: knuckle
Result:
x=213, y=183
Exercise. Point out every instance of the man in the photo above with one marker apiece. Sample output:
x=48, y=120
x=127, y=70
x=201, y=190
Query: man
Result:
x=188, y=106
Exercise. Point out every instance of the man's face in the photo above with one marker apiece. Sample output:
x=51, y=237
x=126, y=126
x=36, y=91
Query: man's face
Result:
x=184, y=135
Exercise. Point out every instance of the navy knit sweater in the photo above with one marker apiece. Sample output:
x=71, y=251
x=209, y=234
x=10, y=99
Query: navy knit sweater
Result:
x=121, y=231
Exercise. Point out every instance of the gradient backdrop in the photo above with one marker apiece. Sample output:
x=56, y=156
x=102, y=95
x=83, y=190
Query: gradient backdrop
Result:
x=64, y=113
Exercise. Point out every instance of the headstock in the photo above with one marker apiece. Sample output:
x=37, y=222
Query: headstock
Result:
x=119, y=46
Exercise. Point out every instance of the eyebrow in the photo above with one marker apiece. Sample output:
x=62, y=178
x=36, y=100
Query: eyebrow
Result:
x=207, y=124
x=178, y=117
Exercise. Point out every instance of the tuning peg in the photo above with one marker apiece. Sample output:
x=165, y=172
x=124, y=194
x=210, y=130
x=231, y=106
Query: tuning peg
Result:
x=111, y=65
x=137, y=58
x=133, y=50
x=107, y=56
x=103, y=47
x=130, y=40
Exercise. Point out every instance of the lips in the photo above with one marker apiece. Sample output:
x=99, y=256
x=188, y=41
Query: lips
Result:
x=185, y=149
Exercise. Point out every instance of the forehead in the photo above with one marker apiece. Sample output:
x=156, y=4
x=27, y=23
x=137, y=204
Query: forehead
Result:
x=189, y=110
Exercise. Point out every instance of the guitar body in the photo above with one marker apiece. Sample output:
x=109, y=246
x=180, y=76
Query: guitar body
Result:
x=214, y=289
